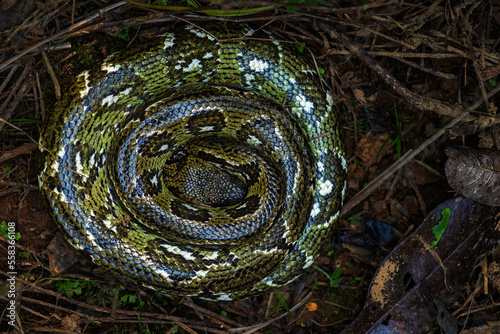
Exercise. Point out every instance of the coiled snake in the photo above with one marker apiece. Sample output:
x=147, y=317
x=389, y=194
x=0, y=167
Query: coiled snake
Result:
x=207, y=162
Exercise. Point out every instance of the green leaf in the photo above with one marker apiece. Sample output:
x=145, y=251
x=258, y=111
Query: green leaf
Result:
x=337, y=273
x=314, y=284
x=301, y=47
x=124, y=35
x=439, y=229
x=334, y=278
x=352, y=219
x=292, y=9
x=493, y=81
x=282, y=301
x=3, y=229
x=129, y=298
x=321, y=71
x=193, y=3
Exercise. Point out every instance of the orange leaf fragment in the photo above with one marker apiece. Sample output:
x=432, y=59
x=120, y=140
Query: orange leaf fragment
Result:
x=312, y=306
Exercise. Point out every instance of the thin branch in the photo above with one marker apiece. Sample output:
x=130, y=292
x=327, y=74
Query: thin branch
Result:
x=60, y=34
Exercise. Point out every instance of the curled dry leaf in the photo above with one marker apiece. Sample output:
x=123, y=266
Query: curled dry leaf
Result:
x=416, y=286
x=474, y=173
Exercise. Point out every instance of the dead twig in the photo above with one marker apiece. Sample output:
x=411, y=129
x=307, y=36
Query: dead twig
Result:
x=25, y=148
x=129, y=315
x=9, y=76
x=254, y=328
x=46, y=61
x=61, y=33
x=374, y=184
x=16, y=92
x=419, y=102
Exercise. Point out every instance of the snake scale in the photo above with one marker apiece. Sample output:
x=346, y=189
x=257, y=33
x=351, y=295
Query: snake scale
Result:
x=206, y=162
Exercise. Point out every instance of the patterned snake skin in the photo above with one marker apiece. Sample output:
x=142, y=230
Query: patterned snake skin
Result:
x=206, y=162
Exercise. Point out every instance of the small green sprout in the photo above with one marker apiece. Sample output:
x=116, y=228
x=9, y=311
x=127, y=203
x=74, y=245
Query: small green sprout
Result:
x=301, y=47
x=334, y=278
x=282, y=301
x=6, y=172
x=5, y=229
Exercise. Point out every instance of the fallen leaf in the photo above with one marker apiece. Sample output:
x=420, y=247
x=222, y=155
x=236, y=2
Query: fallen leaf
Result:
x=416, y=286
x=474, y=173
x=312, y=307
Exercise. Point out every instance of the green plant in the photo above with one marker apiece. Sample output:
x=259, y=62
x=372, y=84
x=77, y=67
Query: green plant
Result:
x=358, y=163
x=493, y=81
x=125, y=34
x=84, y=58
x=193, y=3
x=30, y=119
x=334, y=278
x=439, y=229
x=71, y=285
x=128, y=299
x=141, y=305
x=6, y=228
x=6, y=172
x=28, y=277
x=352, y=219
x=401, y=121
x=141, y=326
x=282, y=301
x=314, y=284
x=276, y=307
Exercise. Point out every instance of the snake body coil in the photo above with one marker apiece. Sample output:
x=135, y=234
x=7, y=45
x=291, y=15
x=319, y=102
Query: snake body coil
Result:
x=207, y=162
